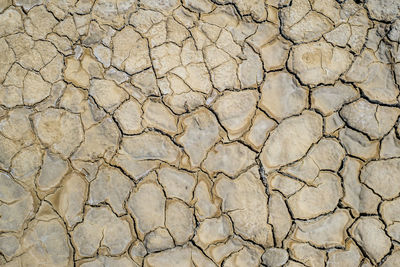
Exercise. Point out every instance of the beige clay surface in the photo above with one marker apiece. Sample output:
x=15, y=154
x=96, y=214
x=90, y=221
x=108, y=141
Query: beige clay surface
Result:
x=174, y=133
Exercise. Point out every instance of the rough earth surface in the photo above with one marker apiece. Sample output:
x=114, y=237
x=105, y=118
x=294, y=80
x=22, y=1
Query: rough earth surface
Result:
x=173, y=133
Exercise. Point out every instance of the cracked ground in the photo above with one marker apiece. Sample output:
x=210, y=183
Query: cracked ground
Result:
x=173, y=133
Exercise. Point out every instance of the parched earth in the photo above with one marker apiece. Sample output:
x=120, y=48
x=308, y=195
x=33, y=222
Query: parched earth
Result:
x=199, y=133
